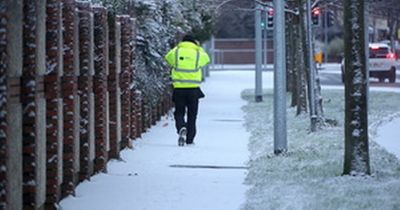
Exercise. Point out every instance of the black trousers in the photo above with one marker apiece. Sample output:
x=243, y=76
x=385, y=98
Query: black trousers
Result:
x=186, y=104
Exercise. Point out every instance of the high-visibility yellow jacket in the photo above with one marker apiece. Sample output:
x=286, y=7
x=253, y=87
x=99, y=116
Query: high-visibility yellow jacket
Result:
x=186, y=61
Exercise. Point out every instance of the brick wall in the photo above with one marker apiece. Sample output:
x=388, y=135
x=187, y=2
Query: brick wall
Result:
x=70, y=98
x=53, y=102
x=100, y=87
x=85, y=89
x=33, y=103
x=67, y=70
x=114, y=65
x=125, y=78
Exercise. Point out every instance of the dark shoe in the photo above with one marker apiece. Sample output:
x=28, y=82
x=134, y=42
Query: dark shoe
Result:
x=182, y=136
x=189, y=141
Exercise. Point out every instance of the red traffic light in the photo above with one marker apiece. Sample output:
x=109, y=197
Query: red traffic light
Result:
x=316, y=11
x=271, y=12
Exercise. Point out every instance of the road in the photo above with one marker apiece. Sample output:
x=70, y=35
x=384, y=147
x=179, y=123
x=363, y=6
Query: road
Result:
x=330, y=74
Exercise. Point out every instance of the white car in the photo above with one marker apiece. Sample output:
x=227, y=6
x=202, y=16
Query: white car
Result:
x=382, y=63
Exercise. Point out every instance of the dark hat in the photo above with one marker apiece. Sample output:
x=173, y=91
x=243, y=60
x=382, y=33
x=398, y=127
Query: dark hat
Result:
x=189, y=38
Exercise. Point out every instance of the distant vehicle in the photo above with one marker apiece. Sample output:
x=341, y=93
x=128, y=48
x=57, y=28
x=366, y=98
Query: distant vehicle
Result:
x=382, y=62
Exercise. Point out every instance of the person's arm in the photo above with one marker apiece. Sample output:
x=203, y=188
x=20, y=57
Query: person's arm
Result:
x=204, y=58
x=170, y=57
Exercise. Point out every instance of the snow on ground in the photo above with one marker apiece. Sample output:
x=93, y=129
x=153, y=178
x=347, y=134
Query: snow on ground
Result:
x=309, y=177
x=145, y=180
x=388, y=134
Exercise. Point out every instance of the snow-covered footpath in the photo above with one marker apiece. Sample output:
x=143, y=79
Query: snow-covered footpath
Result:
x=238, y=134
x=145, y=180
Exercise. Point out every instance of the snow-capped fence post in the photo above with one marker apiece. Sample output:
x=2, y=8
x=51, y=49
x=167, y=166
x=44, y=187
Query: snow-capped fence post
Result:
x=100, y=86
x=85, y=90
x=70, y=97
x=125, y=77
x=114, y=84
x=3, y=106
x=53, y=102
x=14, y=155
x=34, y=103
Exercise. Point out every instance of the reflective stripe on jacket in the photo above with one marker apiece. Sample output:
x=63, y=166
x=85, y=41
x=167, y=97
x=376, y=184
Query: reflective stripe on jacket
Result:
x=186, y=61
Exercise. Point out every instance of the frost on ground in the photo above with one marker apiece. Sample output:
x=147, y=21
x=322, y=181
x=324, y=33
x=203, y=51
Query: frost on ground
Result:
x=309, y=176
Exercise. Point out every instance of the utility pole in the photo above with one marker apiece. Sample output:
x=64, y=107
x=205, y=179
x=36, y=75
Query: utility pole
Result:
x=258, y=53
x=312, y=69
x=280, y=132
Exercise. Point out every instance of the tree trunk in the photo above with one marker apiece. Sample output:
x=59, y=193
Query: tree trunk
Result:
x=289, y=55
x=392, y=24
x=295, y=52
x=300, y=61
x=356, y=159
x=293, y=39
x=301, y=82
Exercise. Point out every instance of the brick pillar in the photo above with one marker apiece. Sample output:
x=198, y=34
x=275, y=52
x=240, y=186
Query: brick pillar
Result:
x=154, y=113
x=134, y=108
x=70, y=98
x=139, y=117
x=32, y=98
x=3, y=105
x=144, y=115
x=53, y=103
x=14, y=107
x=86, y=90
x=133, y=131
x=149, y=113
x=114, y=85
x=160, y=107
x=100, y=86
x=125, y=77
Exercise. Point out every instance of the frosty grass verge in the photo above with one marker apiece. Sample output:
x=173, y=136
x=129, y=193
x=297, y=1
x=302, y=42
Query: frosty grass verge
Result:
x=309, y=177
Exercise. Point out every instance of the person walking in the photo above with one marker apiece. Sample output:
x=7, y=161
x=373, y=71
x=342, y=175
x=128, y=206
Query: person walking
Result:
x=186, y=61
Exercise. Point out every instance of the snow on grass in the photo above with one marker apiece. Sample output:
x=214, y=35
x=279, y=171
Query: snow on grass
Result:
x=310, y=175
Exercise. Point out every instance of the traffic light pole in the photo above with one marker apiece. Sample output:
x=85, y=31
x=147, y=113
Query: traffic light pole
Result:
x=280, y=132
x=265, y=54
x=326, y=33
x=258, y=77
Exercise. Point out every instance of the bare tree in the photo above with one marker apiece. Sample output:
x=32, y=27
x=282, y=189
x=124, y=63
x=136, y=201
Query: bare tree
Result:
x=313, y=85
x=356, y=160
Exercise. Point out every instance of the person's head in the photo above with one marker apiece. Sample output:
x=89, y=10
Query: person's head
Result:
x=189, y=38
